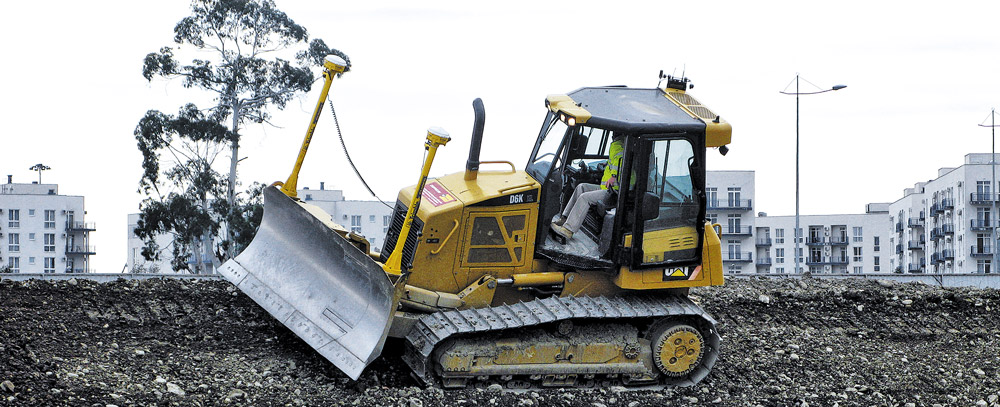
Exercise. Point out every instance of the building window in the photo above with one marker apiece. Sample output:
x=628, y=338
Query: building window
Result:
x=877, y=267
x=31, y=212
x=815, y=254
x=735, y=269
x=713, y=218
x=734, y=197
x=983, y=190
x=356, y=223
x=713, y=197
x=857, y=254
x=385, y=220
x=858, y=270
x=50, y=242
x=50, y=265
x=779, y=236
x=734, y=250
x=31, y=260
x=31, y=237
x=14, y=263
x=779, y=255
x=780, y=270
x=734, y=223
x=876, y=243
x=983, y=266
x=50, y=219
x=14, y=218
x=14, y=242
x=857, y=234
x=371, y=218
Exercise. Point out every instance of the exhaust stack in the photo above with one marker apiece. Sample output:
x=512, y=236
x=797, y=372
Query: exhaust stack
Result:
x=472, y=166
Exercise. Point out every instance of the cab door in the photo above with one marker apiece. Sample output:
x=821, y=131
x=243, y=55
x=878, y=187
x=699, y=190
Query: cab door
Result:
x=668, y=204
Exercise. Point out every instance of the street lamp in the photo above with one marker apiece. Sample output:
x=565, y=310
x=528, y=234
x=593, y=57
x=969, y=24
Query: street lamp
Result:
x=795, y=234
x=993, y=185
x=39, y=167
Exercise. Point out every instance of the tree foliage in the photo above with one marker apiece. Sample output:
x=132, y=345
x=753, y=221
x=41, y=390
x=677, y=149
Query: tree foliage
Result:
x=260, y=59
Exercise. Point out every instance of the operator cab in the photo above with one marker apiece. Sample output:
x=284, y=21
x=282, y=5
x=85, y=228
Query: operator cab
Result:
x=661, y=204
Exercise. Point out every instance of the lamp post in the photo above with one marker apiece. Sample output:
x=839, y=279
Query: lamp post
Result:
x=39, y=167
x=993, y=185
x=795, y=233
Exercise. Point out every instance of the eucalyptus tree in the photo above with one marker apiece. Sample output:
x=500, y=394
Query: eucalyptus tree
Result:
x=250, y=58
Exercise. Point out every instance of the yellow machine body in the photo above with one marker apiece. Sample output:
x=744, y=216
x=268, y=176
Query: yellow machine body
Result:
x=473, y=278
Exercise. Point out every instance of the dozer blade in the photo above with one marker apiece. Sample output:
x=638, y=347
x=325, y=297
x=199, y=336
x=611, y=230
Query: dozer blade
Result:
x=327, y=291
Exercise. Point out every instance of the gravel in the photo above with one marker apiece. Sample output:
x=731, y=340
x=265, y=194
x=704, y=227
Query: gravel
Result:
x=811, y=342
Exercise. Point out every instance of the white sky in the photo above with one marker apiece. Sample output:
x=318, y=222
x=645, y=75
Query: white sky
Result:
x=920, y=76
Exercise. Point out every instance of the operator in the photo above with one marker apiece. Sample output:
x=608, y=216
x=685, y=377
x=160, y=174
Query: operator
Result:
x=586, y=195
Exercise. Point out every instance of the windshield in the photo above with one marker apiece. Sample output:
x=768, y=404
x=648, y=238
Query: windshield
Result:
x=547, y=147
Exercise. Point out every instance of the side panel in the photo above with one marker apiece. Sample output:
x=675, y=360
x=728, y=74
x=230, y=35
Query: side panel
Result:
x=709, y=272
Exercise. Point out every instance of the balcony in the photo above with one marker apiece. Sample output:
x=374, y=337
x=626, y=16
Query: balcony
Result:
x=922, y=215
x=737, y=257
x=915, y=223
x=914, y=268
x=730, y=204
x=78, y=249
x=737, y=231
x=948, y=228
x=899, y=248
x=923, y=240
x=980, y=251
x=947, y=204
x=838, y=241
x=937, y=233
x=766, y=241
x=899, y=226
x=814, y=241
x=980, y=225
x=80, y=226
x=948, y=254
x=937, y=258
x=976, y=198
x=832, y=260
x=764, y=261
x=914, y=245
x=936, y=209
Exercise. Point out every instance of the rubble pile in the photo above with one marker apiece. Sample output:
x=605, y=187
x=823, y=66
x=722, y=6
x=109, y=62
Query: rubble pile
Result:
x=785, y=342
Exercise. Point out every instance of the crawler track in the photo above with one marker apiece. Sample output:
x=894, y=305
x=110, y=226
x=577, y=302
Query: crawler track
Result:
x=638, y=311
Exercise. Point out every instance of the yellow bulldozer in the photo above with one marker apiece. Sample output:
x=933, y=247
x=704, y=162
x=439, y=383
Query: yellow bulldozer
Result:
x=475, y=284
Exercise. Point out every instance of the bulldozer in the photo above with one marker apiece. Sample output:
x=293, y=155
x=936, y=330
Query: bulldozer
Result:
x=477, y=289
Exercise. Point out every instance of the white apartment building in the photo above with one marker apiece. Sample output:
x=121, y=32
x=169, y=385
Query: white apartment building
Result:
x=729, y=195
x=944, y=225
x=368, y=218
x=837, y=244
x=42, y=231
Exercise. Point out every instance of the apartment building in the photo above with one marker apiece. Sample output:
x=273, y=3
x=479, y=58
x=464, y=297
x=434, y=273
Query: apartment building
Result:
x=729, y=195
x=945, y=225
x=368, y=218
x=837, y=244
x=42, y=231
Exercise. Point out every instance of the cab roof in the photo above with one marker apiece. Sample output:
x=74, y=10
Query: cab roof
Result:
x=634, y=110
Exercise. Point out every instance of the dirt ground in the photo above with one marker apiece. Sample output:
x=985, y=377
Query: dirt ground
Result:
x=785, y=342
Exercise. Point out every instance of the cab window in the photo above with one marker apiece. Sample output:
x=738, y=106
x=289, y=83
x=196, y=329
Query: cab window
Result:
x=672, y=235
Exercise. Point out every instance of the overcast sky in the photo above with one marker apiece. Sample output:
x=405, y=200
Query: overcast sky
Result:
x=920, y=76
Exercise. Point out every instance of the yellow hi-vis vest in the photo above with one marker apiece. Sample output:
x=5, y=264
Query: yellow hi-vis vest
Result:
x=615, y=154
